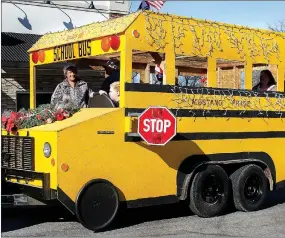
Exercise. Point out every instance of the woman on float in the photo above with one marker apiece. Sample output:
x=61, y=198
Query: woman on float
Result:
x=266, y=83
x=72, y=91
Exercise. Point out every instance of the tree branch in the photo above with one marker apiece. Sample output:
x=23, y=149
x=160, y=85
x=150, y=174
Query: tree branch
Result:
x=279, y=26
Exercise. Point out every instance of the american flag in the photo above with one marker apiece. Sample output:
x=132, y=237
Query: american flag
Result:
x=156, y=4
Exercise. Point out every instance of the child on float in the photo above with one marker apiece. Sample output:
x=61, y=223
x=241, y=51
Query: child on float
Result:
x=114, y=93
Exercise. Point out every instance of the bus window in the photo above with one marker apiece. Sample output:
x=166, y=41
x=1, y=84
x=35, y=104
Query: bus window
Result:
x=230, y=74
x=136, y=77
x=256, y=73
x=191, y=71
x=148, y=67
x=110, y=65
x=49, y=76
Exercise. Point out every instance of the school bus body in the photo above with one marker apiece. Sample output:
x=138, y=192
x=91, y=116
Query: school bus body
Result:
x=94, y=144
x=214, y=126
x=141, y=172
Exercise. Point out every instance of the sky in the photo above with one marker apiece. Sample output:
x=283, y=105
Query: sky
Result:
x=248, y=13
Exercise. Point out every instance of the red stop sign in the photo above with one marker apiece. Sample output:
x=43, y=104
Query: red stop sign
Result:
x=157, y=125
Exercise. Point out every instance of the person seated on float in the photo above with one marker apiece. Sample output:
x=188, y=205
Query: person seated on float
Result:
x=114, y=93
x=72, y=91
x=159, y=74
x=159, y=66
x=266, y=83
x=112, y=68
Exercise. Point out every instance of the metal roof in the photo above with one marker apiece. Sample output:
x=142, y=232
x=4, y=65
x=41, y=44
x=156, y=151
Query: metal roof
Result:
x=15, y=46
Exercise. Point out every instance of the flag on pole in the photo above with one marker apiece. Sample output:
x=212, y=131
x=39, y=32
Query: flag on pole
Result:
x=144, y=5
x=156, y=4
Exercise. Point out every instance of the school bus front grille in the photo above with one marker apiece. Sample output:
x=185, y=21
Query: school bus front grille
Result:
x=17, y=152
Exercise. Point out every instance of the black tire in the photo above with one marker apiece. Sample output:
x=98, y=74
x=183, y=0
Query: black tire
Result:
x=250, y=188
x=210, y=192
x=97, y=205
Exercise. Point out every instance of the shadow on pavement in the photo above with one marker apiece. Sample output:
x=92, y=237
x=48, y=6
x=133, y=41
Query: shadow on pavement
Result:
x=275, y=197
x=14, y=218
x=136, y=216
x=133, y=217
x=17, y=218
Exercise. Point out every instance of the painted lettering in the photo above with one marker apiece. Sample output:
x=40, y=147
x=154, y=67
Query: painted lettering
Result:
x=207, y=102
x=84, y=48
x=64, y=52
x=241, y=103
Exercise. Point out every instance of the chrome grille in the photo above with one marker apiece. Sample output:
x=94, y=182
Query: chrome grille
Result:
x=17, y=152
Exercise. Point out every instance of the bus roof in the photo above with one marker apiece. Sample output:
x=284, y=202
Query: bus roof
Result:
x=116, y=26
x=86, y=32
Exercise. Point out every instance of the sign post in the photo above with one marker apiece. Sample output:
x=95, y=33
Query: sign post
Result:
x=157, y=125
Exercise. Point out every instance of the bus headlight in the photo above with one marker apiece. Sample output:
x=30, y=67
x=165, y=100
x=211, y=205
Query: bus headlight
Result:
x=47, y=150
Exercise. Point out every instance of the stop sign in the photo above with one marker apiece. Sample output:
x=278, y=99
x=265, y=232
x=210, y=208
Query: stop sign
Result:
x=157, y=125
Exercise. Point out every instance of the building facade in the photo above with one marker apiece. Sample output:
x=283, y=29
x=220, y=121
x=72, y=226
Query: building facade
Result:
x=41, y=17
x=23, y=23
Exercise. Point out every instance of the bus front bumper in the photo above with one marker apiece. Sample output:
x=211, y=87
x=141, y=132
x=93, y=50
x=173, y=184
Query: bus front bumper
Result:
x=20, y=180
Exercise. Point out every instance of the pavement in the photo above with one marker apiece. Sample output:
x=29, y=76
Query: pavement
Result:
x=166, y=220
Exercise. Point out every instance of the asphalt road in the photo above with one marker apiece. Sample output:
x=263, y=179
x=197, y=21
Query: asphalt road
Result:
x=169, y=220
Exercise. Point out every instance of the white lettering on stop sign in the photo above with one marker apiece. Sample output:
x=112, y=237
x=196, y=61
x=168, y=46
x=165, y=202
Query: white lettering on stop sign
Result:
x=156, y=125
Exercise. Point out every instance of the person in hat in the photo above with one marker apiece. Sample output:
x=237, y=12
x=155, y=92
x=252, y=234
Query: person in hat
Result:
x=72, y=91
x=112, y=68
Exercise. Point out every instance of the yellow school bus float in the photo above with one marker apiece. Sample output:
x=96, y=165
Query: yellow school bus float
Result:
x=229, y=143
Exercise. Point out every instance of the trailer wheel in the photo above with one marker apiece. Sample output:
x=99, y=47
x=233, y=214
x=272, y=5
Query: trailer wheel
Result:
x=209, y=192
x=97, y=205
x=250, y=188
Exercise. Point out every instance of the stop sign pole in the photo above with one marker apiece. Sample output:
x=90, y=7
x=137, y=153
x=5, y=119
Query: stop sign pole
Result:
x=157, y=125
